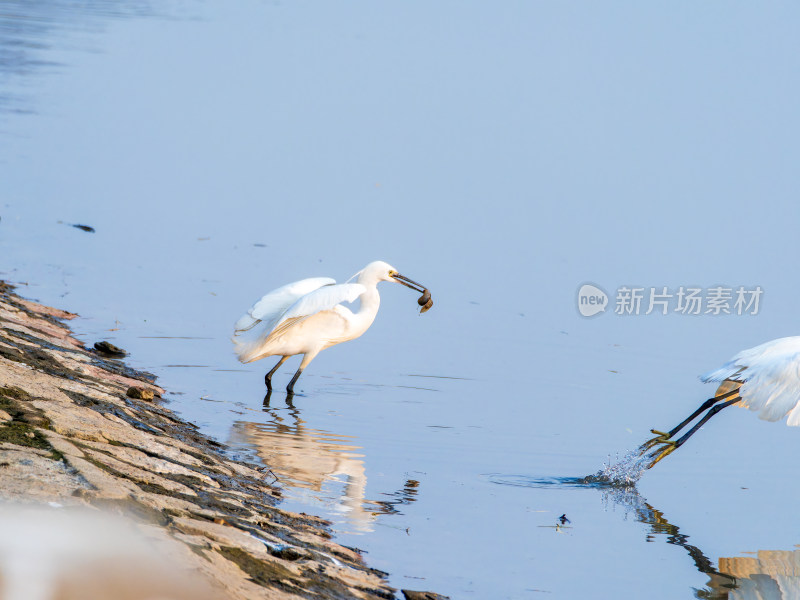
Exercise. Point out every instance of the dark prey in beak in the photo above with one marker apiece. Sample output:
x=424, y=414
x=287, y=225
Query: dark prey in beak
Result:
x=425, y=300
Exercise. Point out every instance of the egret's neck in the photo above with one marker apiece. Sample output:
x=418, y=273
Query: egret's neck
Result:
x=370, y=302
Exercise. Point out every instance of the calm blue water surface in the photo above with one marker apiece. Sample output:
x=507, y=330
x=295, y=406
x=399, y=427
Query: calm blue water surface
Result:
x=503, y=155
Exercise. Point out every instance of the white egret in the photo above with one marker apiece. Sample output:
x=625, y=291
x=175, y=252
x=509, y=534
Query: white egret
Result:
x=307, y=316
x=764, y=379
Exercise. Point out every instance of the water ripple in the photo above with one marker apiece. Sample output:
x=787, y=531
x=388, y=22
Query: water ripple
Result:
x=623, y=472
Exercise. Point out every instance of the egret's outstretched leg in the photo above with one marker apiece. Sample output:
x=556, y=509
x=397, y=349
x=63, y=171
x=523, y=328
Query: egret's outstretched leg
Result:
x=703, y=407
x=307, y=358
x=665, y=436
x=290, y=387
x=268, y=376
x=671, y=445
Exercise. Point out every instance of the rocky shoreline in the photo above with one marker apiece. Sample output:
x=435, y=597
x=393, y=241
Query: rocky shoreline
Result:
x=80, y=429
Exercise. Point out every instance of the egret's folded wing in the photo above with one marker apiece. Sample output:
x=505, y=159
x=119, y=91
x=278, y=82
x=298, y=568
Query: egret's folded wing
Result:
x=324, y=298
x=771, y=378
x=747, y=361
x=275, y=303
x=730, y=370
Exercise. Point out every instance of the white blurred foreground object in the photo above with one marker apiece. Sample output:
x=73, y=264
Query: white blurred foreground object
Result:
x=764, y=379
x=307, y=316
x=77, y=554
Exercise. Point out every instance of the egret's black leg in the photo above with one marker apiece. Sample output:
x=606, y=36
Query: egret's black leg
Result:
x=267, y=397
x=671, y=446
x=680, y=441
x=290, y=387
x=268, y=376
x=307, y=358
x=663, y=436
x=706, y=405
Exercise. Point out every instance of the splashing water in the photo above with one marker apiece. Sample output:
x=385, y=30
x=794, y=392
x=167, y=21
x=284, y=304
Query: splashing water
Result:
x=624, y=471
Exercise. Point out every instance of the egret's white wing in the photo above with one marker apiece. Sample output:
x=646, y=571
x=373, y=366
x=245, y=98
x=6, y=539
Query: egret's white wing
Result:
x=774, y=389
x=320, y=300
x=771, y=376
x=275, y=303
x=324, y=298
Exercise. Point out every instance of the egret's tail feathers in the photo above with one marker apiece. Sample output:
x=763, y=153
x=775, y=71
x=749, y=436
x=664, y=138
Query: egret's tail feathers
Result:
x=247, y=350
x=246, y=323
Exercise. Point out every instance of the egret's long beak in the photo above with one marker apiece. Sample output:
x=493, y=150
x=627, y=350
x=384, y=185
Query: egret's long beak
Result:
x=408, y=282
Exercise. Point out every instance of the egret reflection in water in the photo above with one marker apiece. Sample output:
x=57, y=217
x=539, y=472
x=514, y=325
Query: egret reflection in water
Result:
x=767, y=575
x=321, y=464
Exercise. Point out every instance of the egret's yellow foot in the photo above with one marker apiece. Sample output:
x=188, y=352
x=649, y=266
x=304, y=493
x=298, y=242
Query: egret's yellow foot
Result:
x=668, y=449
x=662, y=437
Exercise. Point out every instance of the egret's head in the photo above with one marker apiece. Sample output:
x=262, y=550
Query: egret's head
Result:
x=377, y=271
x=382, y=271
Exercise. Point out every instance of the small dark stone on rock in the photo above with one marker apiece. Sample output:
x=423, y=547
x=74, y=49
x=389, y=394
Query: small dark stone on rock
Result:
x=109, y=349
x=140, y=393
x=423, y=595
x=288, y=553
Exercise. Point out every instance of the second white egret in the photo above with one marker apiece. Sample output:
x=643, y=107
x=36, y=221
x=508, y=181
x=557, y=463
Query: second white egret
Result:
x=307, y=316
x=764, y=379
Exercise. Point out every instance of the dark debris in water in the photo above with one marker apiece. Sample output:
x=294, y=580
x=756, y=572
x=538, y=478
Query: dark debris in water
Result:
x=86, y=228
